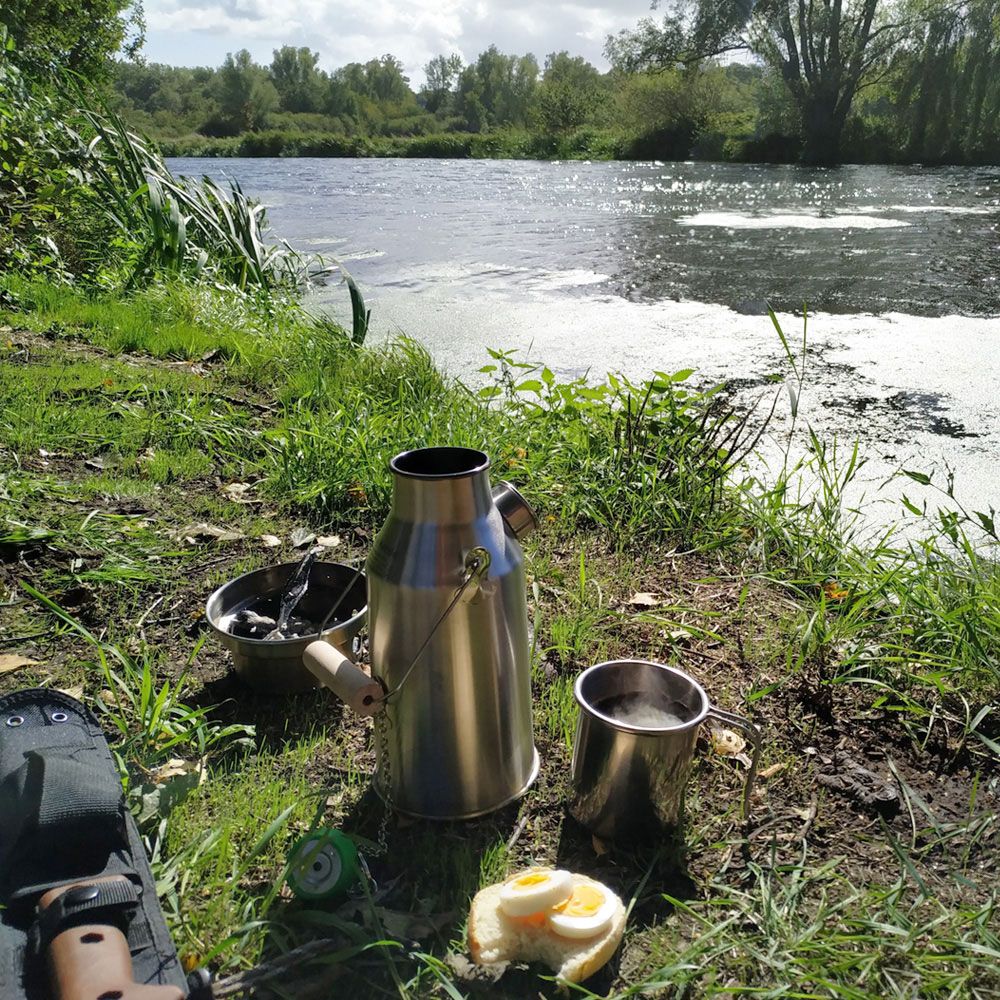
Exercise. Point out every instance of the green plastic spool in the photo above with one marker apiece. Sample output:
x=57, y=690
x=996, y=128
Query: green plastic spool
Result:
x=323, y=864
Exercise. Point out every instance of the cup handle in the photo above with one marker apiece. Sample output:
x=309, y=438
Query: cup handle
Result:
x=753, y=735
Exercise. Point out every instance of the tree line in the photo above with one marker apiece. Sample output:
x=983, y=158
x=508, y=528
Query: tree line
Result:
x=811, y=80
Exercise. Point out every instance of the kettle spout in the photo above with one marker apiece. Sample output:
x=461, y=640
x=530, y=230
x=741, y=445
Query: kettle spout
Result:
x=518, y=517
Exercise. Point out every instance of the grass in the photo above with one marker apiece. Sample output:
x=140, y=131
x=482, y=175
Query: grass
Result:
x=194, y=408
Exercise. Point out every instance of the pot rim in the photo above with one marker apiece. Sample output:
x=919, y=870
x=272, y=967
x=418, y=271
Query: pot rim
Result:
x=277, y=644
x=625, y=727
x=480, y=459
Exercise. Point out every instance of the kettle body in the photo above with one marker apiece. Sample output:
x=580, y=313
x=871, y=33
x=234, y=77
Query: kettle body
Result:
x=449, y=638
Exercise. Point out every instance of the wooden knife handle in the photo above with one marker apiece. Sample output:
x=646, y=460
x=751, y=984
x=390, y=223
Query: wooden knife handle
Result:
x=93, y=962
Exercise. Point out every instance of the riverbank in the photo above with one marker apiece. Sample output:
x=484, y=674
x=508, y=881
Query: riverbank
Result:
x=158, y=445
x=586, y=143
x=634, y=268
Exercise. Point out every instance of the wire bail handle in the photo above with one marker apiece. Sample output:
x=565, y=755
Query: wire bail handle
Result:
x=477, y=564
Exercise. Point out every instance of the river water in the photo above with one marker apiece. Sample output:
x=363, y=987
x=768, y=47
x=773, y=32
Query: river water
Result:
x=638, y=267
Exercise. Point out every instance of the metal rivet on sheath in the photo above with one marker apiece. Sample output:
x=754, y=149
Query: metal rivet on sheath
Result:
x=15, y=720
x=59, y=716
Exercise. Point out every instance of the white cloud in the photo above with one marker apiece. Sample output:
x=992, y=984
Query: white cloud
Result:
x=187, y=32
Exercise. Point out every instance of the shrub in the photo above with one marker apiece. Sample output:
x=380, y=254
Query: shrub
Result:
x=458, y=146
x=722, y=136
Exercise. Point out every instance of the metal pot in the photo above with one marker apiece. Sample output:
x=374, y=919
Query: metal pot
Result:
x=634, y=747
x=277, y=665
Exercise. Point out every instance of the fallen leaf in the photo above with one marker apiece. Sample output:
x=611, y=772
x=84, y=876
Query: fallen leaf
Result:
x=10, y=662
x=302, y=536
x=599, y=846
x=73, y=692
x=727, y=743
x=271, y=541
x=644, y=600
x=237, y=492
x=174, y=768
x=403, y=924
x=770, y=772
x=95, y=463
x=159, y=797
x=852, y=778
x=328, y=541
x=194, y=534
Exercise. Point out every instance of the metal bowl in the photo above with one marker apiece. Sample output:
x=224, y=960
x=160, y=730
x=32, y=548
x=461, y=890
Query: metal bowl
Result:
x=276, y=666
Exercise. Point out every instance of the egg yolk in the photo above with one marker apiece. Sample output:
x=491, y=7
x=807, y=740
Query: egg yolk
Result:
x=585, y=902
x=535, y=878
x=533, y=920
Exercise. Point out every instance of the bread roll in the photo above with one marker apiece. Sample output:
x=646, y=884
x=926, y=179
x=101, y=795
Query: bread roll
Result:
x=496, y=937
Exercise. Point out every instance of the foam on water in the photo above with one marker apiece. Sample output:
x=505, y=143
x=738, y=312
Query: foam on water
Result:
x=731, y=220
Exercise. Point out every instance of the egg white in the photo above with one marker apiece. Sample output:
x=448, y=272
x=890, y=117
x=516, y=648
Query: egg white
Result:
x=589, y=925
x=526, y=900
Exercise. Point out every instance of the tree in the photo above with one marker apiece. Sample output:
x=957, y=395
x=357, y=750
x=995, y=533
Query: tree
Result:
x=295, y=76
x=825, y=50
x=948, y=83
x=568, y=93
x=81, y=36
x=385, y=81
x=339, y=99
x=245, y=93
x=442, y=74
x=497, y=89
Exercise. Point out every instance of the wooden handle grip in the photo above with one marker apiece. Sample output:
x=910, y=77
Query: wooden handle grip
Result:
x=93, y=962
x=345, y=679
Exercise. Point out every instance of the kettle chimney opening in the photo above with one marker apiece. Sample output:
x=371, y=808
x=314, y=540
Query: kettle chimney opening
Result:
x=440, y=463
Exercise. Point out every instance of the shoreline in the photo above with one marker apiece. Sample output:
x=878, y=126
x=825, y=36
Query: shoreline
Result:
x=595, y=144
x=898, y=383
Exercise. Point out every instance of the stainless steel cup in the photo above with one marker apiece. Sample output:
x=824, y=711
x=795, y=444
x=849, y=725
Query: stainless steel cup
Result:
x=634, y=747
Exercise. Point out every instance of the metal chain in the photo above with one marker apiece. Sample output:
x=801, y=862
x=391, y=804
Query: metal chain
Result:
x=382, y=777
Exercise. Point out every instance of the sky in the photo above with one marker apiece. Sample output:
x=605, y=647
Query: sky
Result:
x=201, y=32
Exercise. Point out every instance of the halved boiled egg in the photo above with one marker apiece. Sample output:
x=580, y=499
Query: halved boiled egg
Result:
x=535, y=890
x=587, y=913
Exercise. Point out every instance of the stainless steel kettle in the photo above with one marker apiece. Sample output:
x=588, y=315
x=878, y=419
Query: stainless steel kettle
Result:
x=449, y=638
